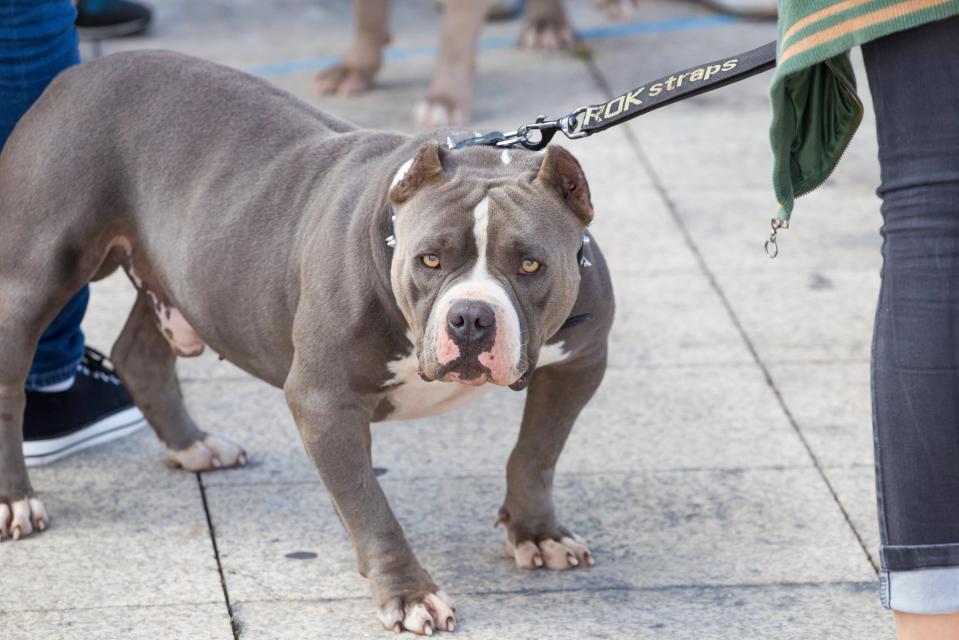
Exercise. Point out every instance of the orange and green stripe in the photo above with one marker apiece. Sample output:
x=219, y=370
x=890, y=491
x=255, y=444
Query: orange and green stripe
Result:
x=814, y=39
x=839, y=26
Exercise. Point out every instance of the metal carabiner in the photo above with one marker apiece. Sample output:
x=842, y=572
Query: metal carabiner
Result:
x=569, y=123
x=771, y=247
x=524, y=135
x=547, y=130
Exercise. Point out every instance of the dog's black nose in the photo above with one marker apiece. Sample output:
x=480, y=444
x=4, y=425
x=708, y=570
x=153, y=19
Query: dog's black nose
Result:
x=470, y=320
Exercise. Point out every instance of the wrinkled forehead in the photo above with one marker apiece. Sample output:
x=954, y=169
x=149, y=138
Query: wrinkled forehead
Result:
x=504, y=196
x=514, y=216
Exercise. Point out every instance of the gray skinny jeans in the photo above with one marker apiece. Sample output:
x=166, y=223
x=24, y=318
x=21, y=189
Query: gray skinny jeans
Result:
x=914, y=79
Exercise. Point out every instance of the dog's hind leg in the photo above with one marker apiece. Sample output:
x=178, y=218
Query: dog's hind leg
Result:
x=20, y=510
x=29, y=300
x=146, y=363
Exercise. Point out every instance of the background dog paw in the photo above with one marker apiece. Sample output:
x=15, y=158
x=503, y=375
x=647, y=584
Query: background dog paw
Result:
x=19, y=518
x=567, y=552
x=215, y=451
x=437, y=113
x=343, y=81
x=546, y=32
x=421, y=615
x=617, y=9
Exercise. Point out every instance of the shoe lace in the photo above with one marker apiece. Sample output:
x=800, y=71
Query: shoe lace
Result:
x=98, y=365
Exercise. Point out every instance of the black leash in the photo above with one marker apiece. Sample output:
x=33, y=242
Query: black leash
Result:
x=591, y=119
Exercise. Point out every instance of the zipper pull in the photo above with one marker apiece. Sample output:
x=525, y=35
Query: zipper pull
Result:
x=772, y=249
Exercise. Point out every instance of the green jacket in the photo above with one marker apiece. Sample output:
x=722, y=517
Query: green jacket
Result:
x=815, y=107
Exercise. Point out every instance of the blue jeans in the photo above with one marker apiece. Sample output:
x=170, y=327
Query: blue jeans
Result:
x=38, y=41
x=914, y=78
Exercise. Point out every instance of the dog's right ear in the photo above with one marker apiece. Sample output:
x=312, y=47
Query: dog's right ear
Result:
x=562, y=173
x=425, y=168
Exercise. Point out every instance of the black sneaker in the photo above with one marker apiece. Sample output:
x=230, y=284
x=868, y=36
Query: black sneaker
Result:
x=96, y=409
x=103, y=19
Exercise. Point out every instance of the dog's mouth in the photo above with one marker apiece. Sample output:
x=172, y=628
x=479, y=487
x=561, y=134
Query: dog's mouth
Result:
x=523, y=381
x=476, y=381
x=472, y=374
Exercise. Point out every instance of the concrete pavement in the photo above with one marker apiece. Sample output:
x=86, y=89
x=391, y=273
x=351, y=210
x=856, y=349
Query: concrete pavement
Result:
x=723, y=474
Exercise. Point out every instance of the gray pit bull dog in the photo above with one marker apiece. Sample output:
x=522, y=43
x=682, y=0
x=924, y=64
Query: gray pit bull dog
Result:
x=251, y=222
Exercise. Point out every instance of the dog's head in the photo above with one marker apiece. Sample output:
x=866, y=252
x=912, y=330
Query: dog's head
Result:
x=485, y=264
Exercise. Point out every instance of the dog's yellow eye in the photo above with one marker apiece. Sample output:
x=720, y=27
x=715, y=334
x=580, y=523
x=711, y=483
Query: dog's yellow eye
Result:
x=431, y=261
x=530, y=266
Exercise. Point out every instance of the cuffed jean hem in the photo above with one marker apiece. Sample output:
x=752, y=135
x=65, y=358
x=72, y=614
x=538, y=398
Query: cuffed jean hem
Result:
x=920, y=578
x=932, y=591
x=910, y=557
x=38, y=380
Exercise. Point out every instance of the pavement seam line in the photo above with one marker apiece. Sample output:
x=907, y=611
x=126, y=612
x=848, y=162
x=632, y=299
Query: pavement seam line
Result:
x=234, y=625
x=198, y=604
x=854, y=584
x=621, y=473
x=714, y=285
x=494, y=592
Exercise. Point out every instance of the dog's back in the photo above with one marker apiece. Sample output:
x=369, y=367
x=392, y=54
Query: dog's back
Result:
x=218, y=168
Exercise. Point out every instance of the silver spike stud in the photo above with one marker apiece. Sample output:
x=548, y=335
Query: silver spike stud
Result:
x=391, y=241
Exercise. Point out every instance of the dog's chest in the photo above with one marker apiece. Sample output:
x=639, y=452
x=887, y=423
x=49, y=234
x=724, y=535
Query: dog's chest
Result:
x=412, y=397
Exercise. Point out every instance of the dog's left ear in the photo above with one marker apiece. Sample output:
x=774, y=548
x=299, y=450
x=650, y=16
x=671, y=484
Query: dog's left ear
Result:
x=425, y=168
x=561, y=172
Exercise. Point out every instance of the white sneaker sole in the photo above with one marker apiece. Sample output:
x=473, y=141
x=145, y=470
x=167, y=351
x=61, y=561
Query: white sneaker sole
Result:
x=118, y=425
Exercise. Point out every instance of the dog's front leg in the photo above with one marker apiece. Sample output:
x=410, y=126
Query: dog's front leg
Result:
x=361, y=62
x=449, y=101
x=547, y=26
x=335, y=427
x=535, y=537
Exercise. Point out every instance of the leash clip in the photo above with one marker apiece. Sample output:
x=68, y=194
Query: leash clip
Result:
x=526, y=136
x=568, y=124
x=772, y=249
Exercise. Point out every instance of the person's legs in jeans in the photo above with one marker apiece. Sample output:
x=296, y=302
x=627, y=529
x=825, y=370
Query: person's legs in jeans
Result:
x=73, y=398
x=914, y=78
x=38, y=41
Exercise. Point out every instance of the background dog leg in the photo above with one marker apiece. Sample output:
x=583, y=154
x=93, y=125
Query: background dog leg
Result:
x=362, y=60
x=449, y=99
x=146, y=363
x=547, y=26
x=335, y=428
x=535, y=538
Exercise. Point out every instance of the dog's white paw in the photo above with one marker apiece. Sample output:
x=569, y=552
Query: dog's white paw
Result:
x=617, y=9
x=547, y=32
x=22, y=517
x=565, y=553
x=438, y=113
x=343, y=81
x=215, y=451
x=422, y=616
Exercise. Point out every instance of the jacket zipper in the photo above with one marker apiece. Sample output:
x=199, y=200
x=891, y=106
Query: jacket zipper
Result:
x=851, y=94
